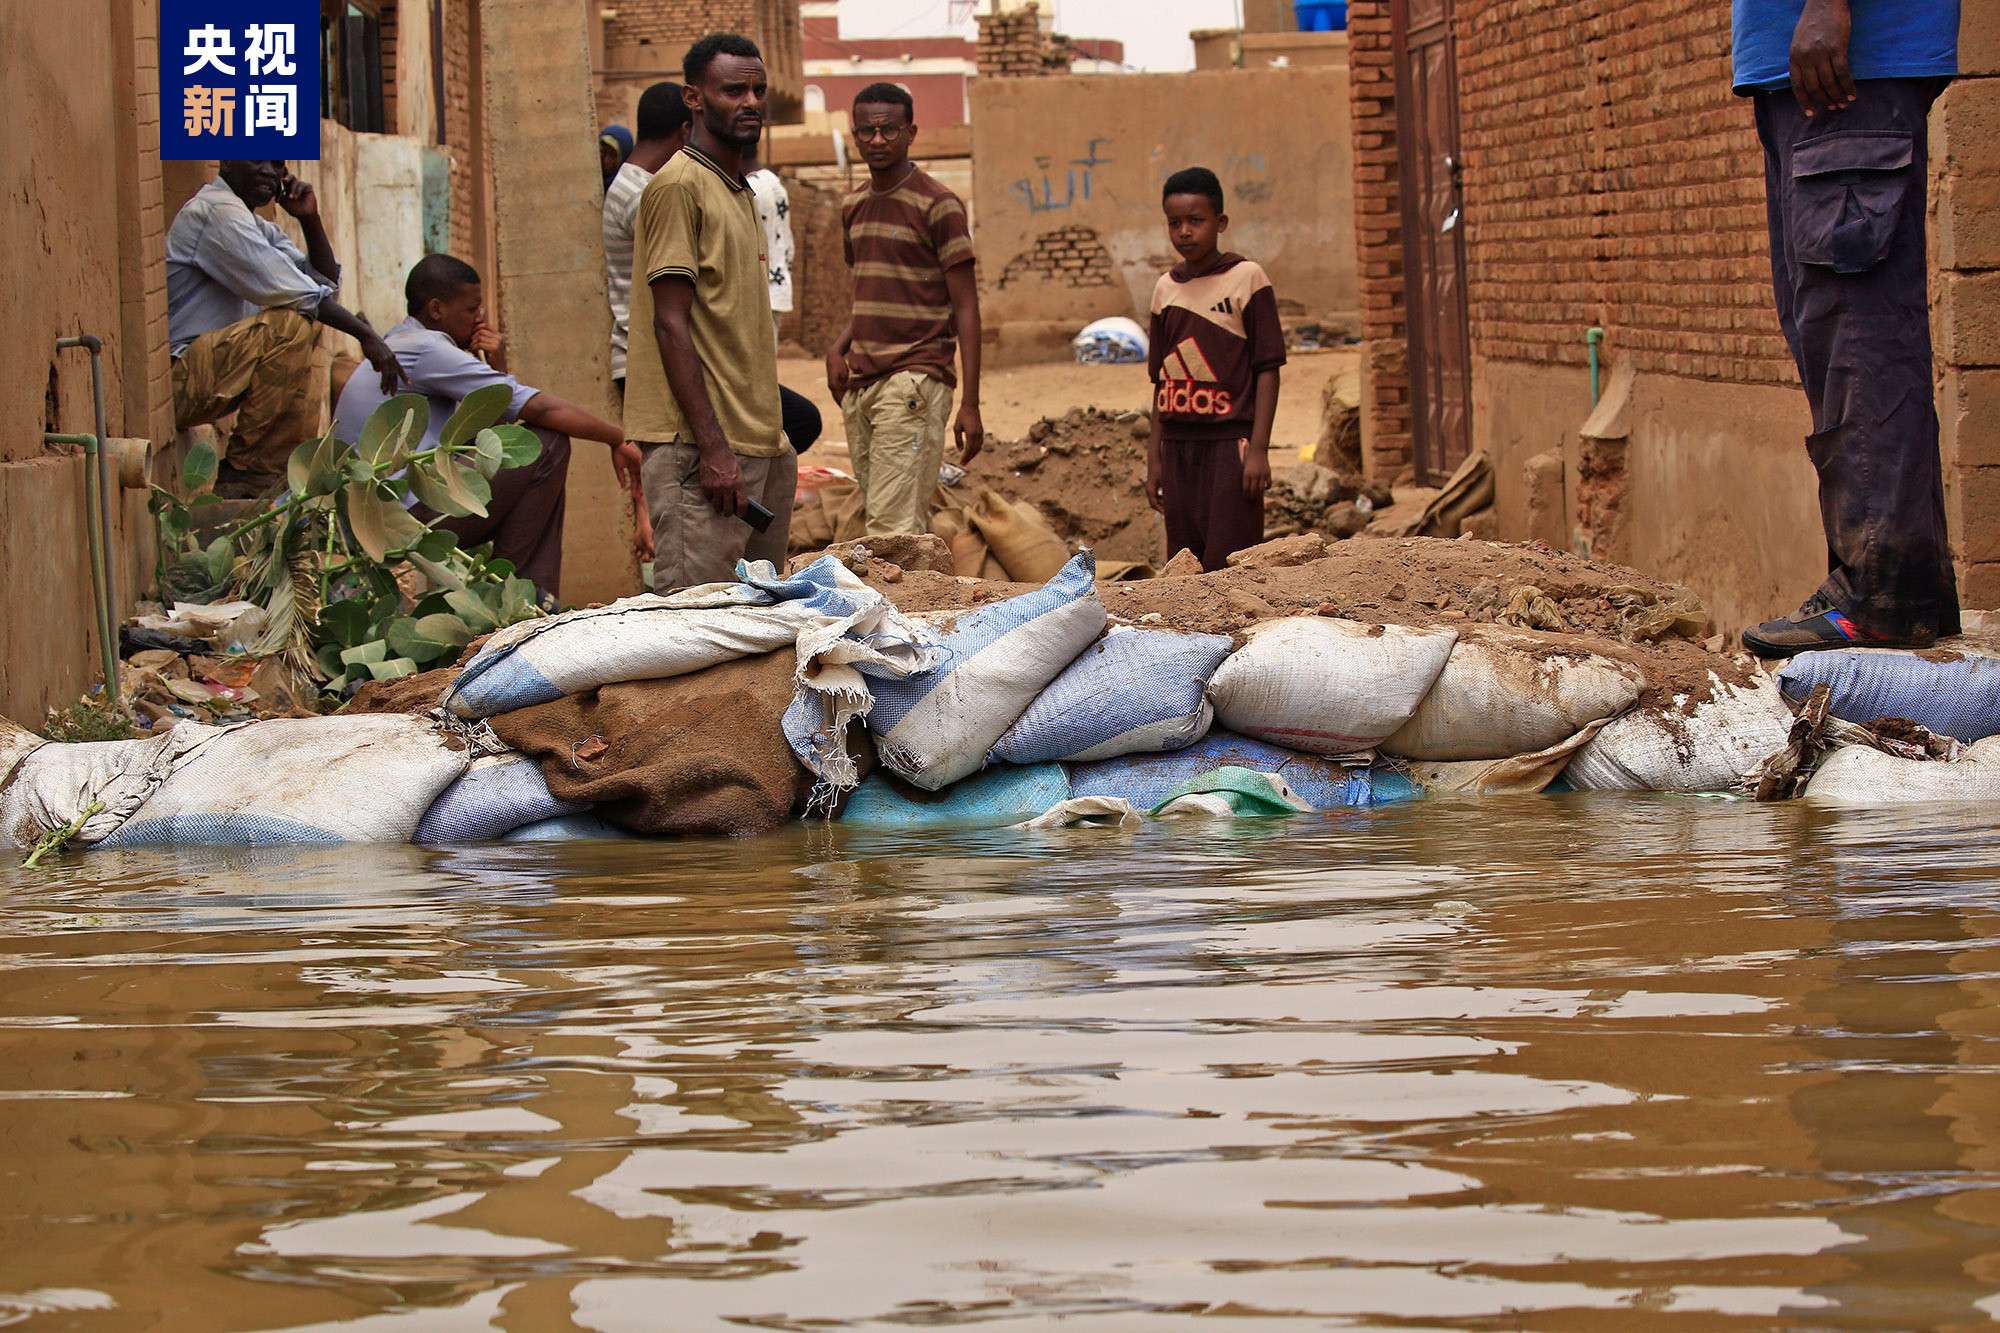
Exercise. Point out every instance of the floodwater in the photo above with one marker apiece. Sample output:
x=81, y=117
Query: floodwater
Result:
x=1570, y=1063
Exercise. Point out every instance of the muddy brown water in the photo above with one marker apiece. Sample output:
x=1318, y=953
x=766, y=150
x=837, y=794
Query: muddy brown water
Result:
x=1571, y=1063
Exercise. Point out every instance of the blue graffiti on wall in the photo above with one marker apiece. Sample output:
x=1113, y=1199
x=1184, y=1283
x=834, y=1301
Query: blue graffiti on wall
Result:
x=1076, y=176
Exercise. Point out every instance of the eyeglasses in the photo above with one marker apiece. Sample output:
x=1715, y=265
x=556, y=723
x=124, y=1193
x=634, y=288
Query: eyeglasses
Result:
x=885, y=133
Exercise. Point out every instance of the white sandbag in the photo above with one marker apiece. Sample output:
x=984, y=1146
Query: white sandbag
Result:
x=1710, y=747
x=498, y=794
x=1134, y=691
x=1328, y=686
x=1085, y=812
x=1860, y=776
x=936, y=727
x=52, y=783
x=298, y=780
x=635, y=638
x=1506, y=692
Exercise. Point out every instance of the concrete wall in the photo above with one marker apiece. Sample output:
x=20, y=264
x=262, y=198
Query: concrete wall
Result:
x=1072, y=167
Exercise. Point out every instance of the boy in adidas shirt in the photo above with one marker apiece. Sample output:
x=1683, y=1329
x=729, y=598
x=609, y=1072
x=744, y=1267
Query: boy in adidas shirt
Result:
x=1216, y=348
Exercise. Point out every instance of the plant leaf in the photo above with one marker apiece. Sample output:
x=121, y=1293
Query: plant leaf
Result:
x=473, y=610
x=347, y=621
x=518, y=601
x=430, y=604
x=428, y=638
x=430, y=488
x=469, y=490
x=379, y=526
x=392, y=430
x=489, y=453
x=328, y=656
x=438, y=544
x=439, y=574
x=199, y=467
x=476, y=411
x=394, y=669
x=519, y=446
x=219, y=556
x=375, y=650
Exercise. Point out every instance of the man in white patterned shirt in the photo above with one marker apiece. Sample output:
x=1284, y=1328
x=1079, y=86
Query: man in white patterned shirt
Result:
x=663, y=127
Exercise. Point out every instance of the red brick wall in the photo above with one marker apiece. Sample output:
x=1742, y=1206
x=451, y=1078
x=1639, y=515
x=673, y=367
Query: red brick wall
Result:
x=458, y=94
x=1612, y=178
x=1378, y=233
x=822, y=287
x=655, y=34
x=1014, y=45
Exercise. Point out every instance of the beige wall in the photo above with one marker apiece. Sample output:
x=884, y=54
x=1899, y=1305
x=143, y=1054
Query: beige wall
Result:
x=1712, y=488
x=1075, y=164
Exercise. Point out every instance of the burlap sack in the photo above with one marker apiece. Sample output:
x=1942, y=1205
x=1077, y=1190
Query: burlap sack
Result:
x=699, y=753
x=1021, y=539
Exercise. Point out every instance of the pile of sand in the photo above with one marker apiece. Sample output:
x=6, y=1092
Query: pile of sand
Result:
x=1086, y=472
x=1580, y=605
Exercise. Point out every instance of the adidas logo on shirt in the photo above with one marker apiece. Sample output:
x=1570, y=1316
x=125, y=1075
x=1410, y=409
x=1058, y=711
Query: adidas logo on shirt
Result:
x=1184, y=369
x=1226, y=306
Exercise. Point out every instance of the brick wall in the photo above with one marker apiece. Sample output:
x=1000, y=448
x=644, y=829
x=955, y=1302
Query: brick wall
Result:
x=1965, y=165
x=458, y=145
x=1612, y=178
x=653, y=35
x=1066, y=257
x=1014, y=45
x=1378, y=229
x=822, y=290
x=389, y=29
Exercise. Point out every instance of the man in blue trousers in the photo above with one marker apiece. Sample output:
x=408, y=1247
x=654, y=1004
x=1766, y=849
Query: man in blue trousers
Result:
x=1843, y=89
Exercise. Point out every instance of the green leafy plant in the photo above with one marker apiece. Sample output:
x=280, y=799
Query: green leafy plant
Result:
x=354, y=585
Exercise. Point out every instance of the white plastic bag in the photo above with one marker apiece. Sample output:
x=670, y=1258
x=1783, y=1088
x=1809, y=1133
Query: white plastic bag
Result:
x=936, y=727
x=1328, y=686
x=1507, y=692
x=1134, y=691
x=1711, y=747
x=1859, y=776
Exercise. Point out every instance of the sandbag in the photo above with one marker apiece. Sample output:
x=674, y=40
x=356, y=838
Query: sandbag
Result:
x=1021, y=539
x=49, y=784
x=1084, y=812
x=1232, y=793
x=1329, y=686
x=936, y=727
x=697, y=753
x=1516, y=775
x=1859, y=776
x=299, y=780
x=1148, y=779
x=1958, y=697
x=498, y=794
x=1133, y=691
x=1505, y=692
x=1002, y=795
x=583, y=827
x=1710, y=747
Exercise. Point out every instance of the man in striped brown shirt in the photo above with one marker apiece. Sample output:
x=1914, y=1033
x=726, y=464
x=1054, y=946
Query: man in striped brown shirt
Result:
x=914, y=297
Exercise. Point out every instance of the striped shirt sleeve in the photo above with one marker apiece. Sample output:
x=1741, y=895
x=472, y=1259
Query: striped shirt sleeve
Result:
x=949, y=234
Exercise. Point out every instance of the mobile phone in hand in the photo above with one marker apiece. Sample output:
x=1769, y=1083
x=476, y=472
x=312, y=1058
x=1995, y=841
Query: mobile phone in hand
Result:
x=757, y=516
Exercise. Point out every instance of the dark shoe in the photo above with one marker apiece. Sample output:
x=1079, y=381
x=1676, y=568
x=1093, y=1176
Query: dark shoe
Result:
x=1819, y=625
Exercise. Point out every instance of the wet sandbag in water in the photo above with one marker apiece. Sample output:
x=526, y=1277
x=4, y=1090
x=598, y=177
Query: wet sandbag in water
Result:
x=1861, y=777
x=299, y=780
x=1232, y=793
x=498, y=794
x=936, y=727
x=584, y=827
x=698, y=753
x=1134, y=691
x=1329, y=686
x=1506, y=692
x=1954, y=695
x=1001, y=795
x=1685, y=747
x=1148, y=779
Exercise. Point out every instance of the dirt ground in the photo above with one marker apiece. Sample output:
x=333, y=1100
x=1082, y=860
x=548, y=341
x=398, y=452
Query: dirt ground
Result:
x=1013, y=398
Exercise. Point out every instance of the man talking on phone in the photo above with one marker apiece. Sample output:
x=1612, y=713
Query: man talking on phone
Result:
x=244, y=306
x=702, y=398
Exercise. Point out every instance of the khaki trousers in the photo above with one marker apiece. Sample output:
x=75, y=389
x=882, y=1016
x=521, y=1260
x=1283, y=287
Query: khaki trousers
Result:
x=691, y=542
x=895, y=435
x=261, y=369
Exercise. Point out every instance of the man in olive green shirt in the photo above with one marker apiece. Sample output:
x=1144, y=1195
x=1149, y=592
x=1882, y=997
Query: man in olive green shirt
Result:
x=704, y=407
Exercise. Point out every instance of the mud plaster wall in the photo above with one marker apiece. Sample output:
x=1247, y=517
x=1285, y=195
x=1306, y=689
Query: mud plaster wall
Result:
x=1066, y=190
x=1709, y=486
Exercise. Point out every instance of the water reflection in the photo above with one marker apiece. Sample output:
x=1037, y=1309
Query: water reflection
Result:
x=1568, y=1062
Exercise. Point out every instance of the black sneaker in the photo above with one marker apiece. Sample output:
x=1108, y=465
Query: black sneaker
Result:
x=1819, y=625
